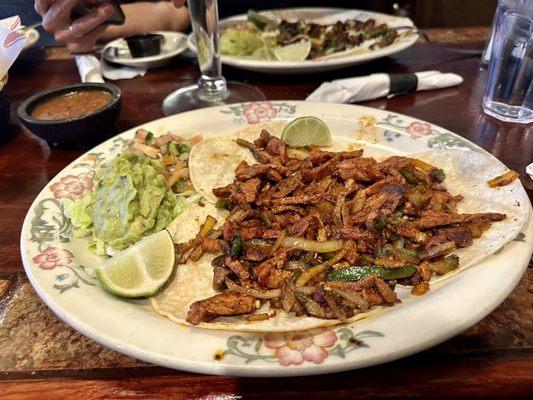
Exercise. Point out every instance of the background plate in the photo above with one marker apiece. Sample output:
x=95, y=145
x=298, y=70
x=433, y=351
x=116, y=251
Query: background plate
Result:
x=319, y=15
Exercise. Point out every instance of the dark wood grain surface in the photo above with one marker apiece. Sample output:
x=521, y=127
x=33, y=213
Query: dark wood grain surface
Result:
x=40, y=357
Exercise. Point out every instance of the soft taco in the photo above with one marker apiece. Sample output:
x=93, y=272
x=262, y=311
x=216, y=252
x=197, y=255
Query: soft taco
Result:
x=293, y=239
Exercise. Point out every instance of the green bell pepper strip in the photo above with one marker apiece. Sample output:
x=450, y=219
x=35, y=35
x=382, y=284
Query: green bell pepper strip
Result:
x=356, y=273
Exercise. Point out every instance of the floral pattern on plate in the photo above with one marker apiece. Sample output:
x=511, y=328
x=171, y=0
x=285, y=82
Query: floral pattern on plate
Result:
x=295, y=348
x=260, y=111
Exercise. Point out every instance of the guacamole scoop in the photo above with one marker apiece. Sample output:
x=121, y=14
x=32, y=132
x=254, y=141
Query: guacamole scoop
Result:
x=131, y=200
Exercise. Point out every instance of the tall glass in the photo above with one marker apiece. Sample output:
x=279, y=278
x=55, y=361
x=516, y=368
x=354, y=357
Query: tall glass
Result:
x=524, y=7
x=211, y=89
x=509, y=92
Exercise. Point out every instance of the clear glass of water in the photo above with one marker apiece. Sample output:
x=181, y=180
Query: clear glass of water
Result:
x=509, y=91
x=524, y=7
x=211, y=89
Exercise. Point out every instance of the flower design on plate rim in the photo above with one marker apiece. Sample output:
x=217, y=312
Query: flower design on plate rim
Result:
x=296, y=347
x=53, y=257
x=259, y=111
x=418, y=129
x=72, y=186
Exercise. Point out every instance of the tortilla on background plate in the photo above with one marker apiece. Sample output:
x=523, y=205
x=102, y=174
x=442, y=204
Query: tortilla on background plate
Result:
x=467, y=174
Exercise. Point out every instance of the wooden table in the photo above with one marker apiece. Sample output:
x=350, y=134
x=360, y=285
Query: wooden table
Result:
x=41, y=357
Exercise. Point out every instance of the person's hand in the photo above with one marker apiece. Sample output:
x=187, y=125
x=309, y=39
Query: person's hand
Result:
x=80, y=35
x=179, y=3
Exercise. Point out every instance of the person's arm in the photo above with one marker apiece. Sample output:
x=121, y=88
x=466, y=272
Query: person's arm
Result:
x=146, y=17
x=81, y=34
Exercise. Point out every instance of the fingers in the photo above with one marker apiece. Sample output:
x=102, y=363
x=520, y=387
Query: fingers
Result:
x=94, y=3
x=83, y=25
x=58, y=15
x=179, y=3
x=86, y=43
x=42, y=6
x=85, y=30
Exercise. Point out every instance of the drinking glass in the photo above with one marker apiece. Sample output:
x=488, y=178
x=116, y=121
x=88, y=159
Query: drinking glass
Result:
x=522, y=6
x=509, y=91
x=211, y=89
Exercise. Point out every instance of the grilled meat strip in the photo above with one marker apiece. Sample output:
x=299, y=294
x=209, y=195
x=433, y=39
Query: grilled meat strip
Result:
x=224, y=304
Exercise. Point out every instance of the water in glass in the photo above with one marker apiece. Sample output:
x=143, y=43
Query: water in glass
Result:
x=509, y=91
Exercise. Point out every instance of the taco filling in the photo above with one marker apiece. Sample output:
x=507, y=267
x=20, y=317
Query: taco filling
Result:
x=325, y=234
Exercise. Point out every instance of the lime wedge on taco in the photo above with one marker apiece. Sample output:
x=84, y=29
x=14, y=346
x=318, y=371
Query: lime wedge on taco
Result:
x=306, y=131
x=293, y=52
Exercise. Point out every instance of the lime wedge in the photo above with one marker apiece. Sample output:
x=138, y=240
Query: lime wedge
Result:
x=306, y=131
x=140, y=270
x=297, y=51
x=259, y=20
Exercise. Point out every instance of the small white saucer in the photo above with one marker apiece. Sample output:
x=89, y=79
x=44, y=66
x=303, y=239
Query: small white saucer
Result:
x=175, y=43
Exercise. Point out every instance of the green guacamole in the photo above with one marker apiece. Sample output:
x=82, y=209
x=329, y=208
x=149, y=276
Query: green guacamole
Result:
x=238, y=42
x=131, y=200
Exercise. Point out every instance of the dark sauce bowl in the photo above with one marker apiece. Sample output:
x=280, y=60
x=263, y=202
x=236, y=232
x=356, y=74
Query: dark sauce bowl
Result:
x=145, y=45
x=73, y=133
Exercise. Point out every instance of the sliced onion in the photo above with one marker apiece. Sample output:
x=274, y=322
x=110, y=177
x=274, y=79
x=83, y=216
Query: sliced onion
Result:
x=312, y=307
x=261, y=243
x=424, y=166
x=257, y=317
x=295, y=265
x=353, y=298
x=237, y=216
x=399, y=244
x=140, y=135
x=267, y=294
x=307, y=290
x=180, y=173
x=149, y=151
x=312, y=245
x=438, y=250
x=278, y=242
x=317, y=269
x=163, y=139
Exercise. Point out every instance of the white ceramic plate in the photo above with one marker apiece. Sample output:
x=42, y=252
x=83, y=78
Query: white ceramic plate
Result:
x=175, y=43
x=324, y=16
x=55, y=264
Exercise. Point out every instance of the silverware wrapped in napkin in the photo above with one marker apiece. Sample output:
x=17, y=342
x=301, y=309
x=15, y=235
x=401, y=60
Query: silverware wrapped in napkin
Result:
x=352, y=90
x=92, y=69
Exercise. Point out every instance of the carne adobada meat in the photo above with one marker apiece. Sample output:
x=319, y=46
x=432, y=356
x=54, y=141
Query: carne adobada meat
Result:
x=310, y=233
x=432, y=219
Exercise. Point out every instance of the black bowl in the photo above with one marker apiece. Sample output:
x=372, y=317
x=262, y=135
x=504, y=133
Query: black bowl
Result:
x=145, y=45
x=74, y=133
